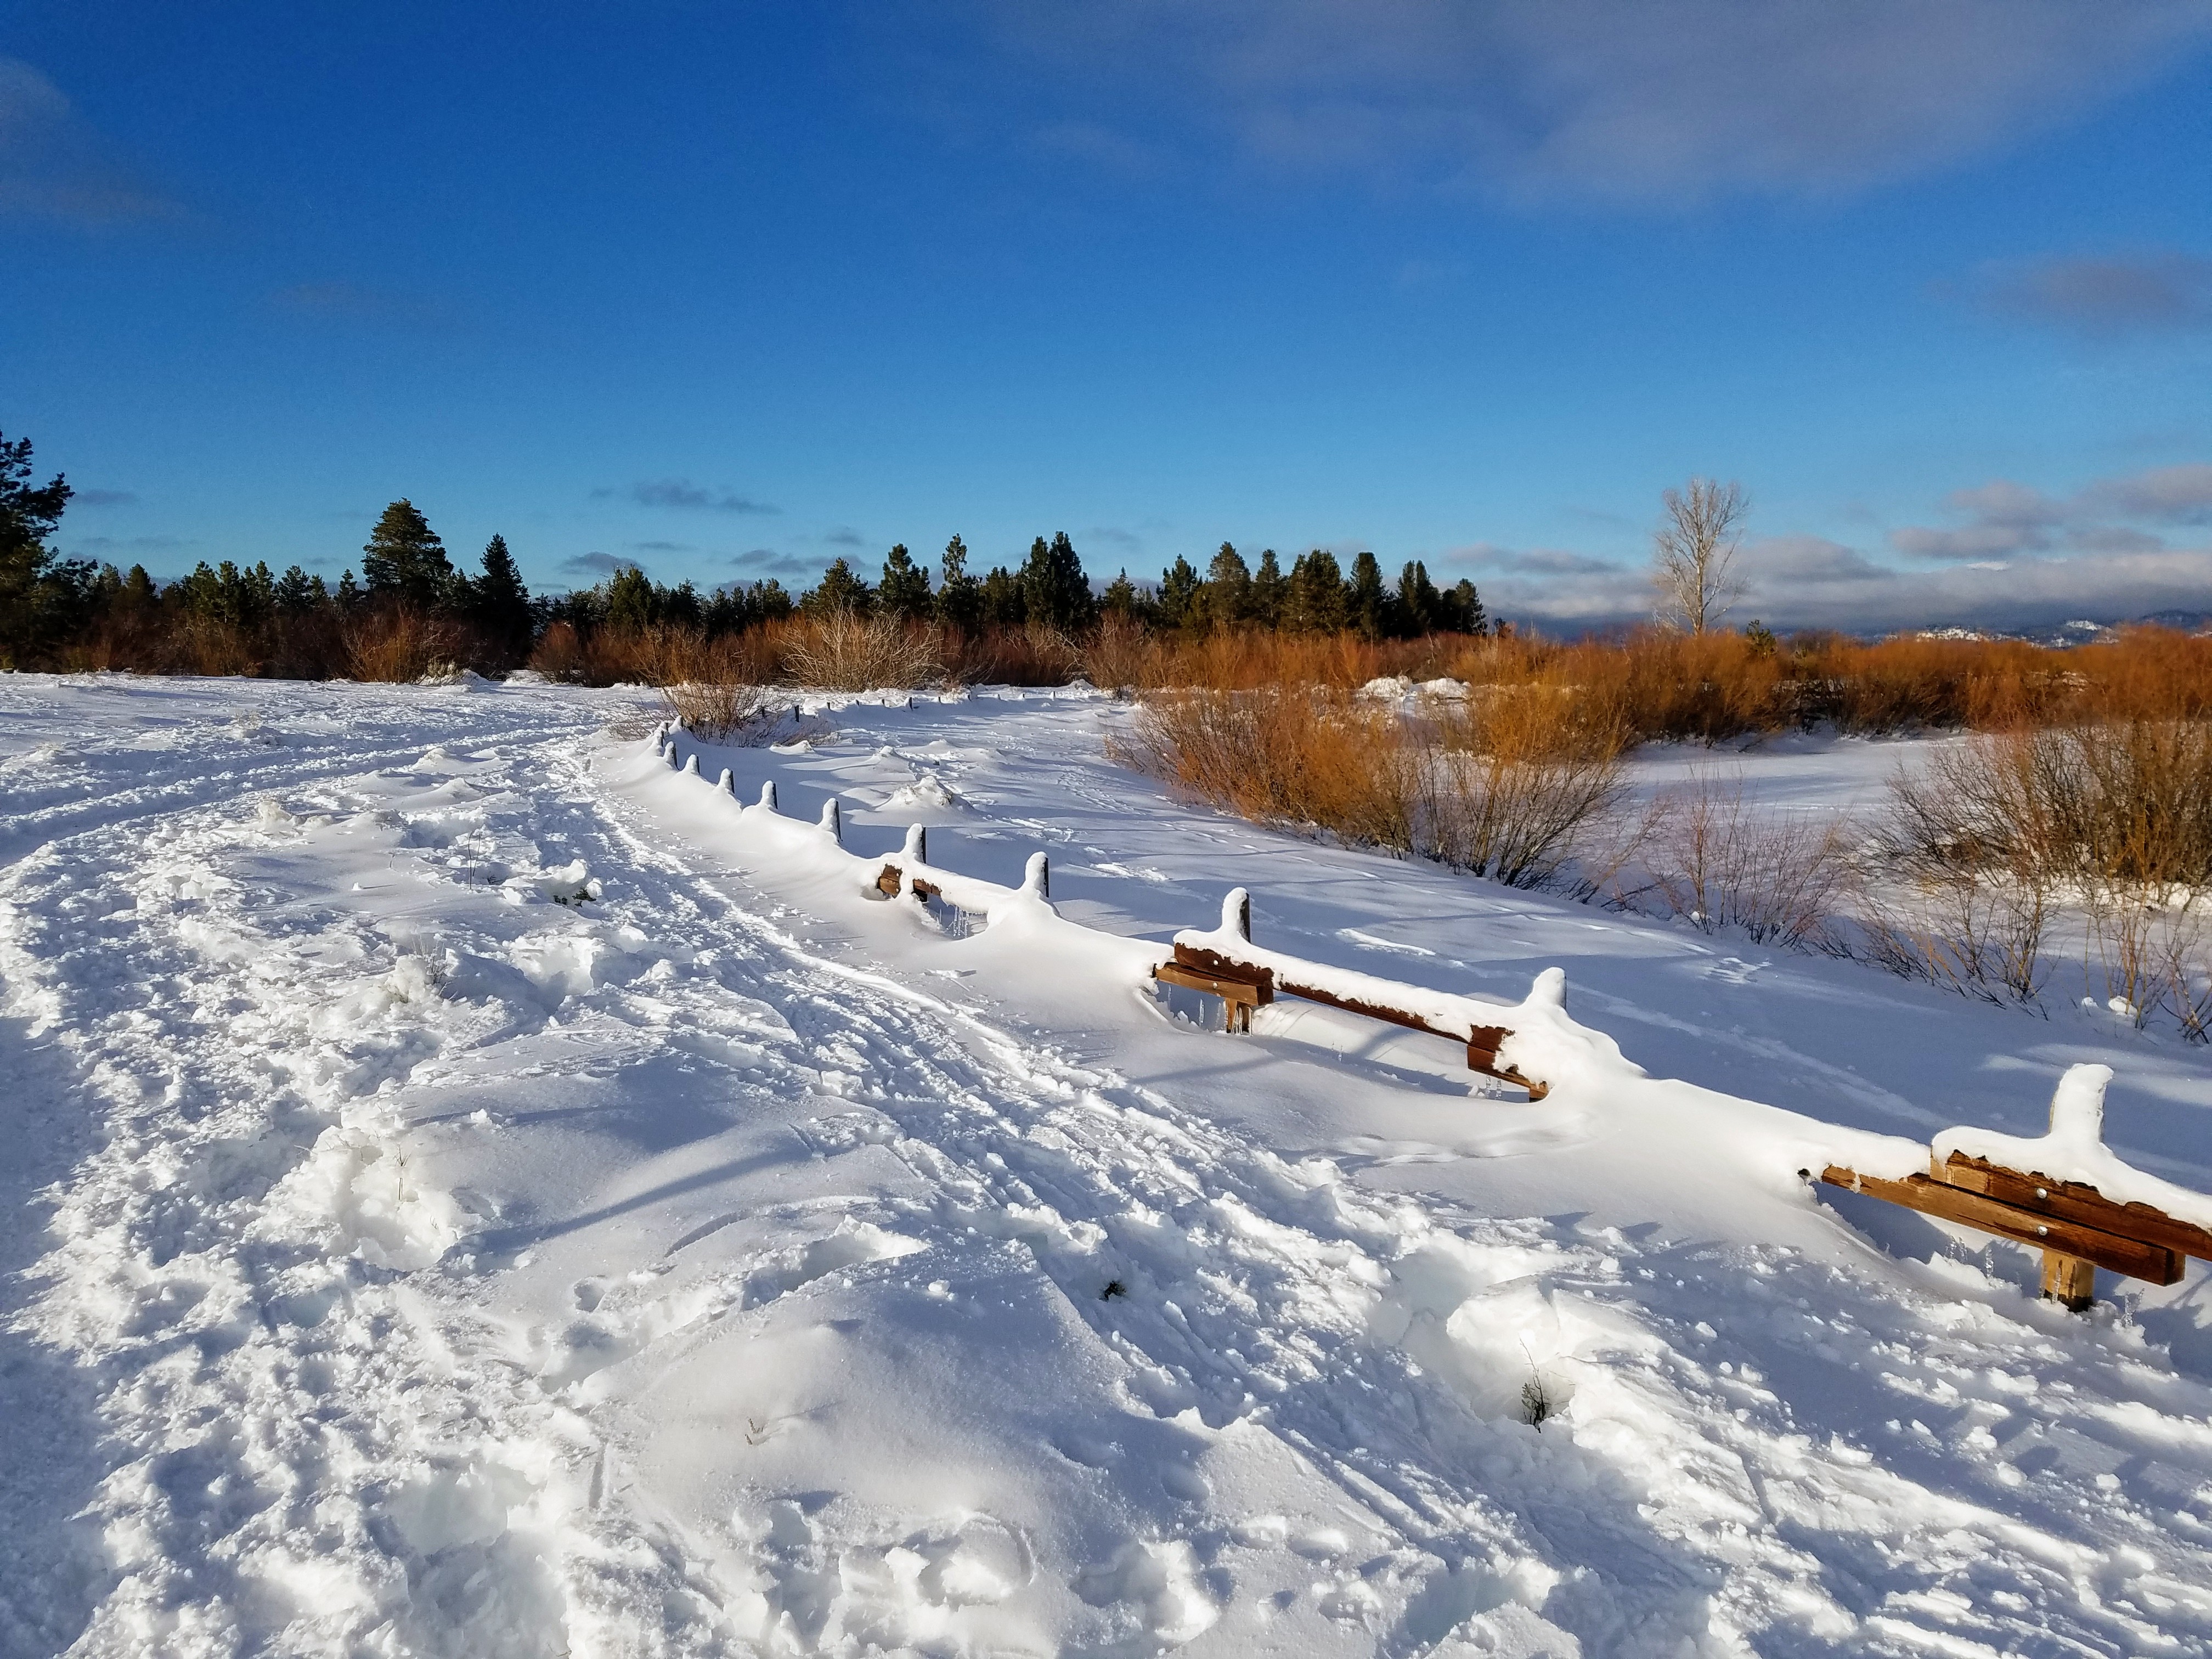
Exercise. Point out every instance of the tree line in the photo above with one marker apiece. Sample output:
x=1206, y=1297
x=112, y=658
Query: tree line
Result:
x=225, y=617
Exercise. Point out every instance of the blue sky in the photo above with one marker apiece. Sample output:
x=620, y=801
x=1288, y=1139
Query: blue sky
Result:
x=731, y=290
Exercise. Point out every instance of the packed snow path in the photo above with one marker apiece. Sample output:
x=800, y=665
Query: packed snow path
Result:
x=484, y=1219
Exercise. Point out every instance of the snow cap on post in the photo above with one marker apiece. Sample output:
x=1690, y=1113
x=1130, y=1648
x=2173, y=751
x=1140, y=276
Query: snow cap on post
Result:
x=726, y=784
x=1237, y=913
x=1550, y=989
x=692, y=764
x=768, y=794
x=1036, y=877
x=917, y=845
x=2077, y=1108
x=833, y=821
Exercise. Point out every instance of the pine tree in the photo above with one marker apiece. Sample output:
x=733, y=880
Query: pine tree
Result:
x=403, y=561
x=1228, y=592
x=1420, y=608
x=1121, y=598
x=959, y=595
x=904, y=592
x=42, y=596
x=1055, y=590
x=1466, y=613
x=1315, y=601
x=1005, y=602
x=499, y=604
x=627, y=600
x=840, y=590
x=1367, y=606
x=1269, y=591
x=1179, y=594
x=349, y=594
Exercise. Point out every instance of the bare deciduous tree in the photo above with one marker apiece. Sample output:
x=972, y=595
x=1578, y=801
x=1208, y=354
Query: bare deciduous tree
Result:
x=1693, y=553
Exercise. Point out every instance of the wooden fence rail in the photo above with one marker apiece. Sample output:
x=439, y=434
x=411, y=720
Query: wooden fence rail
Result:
x=2077, y=1227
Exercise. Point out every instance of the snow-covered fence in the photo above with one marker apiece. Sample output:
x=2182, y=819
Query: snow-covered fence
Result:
x=2065, y=1192
x=1222, y=961
x=1225, y=962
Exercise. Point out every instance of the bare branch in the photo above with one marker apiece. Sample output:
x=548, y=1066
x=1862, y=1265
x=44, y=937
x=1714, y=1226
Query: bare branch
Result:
x=1693, y=553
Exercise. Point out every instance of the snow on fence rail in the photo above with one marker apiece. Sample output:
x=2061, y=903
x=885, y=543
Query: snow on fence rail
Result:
x=2065, y=1192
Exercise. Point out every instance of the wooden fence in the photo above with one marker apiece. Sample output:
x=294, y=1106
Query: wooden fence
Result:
x=2077, y=1226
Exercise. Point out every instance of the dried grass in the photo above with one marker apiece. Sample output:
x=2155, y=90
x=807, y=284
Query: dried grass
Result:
x=846, y=653
x=1502, y=788
x=399, y=645
x=1717, y=861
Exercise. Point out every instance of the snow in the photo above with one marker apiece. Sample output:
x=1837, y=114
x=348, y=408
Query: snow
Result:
x=485, y=1190
x=2075, y=1149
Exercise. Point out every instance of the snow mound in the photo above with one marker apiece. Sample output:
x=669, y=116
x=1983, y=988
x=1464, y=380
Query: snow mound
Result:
x=926, y=793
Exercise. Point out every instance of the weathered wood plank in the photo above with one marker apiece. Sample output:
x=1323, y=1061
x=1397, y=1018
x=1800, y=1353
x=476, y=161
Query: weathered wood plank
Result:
x=887, y=883
x=2071, y=1200
x=2131, y=1256
x=1481, y=1046
x=2069, y=1279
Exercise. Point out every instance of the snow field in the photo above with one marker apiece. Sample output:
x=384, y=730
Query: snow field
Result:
x=538, y=1207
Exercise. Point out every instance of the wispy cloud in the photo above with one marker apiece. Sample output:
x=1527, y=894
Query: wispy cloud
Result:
x=2104, y=295
x=343, y=301
x=102, y=498
x=683, y=495
x=54, y=166
x=2004, y=519
x=1541, y=562
x=600, y=565
x=764, y=562
x=130, y=544
x=843, y=536
x=1541, y=99
x=664, y=547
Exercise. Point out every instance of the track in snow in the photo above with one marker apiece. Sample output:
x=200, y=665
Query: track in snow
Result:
x=322, y=1431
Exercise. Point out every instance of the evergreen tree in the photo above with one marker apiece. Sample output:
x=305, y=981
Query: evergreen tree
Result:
x=1420, y=608
x=349, y=594
x=626, y=601
x=1228, y=592
x=1315, y=604
x=679, y=605
x=1179, y=594
x=1005, y=602
x=767, y=602
x=1366, y=606
x=499, y=604
x=1468, y=615
x=841, y=589
x=904, y=592
x=1269, y=591
x=297, y=593
x=1122, y=598
x=405, y=561
x=42, y=595
x=959, y=595
x=136, y=592
x=1055, y=590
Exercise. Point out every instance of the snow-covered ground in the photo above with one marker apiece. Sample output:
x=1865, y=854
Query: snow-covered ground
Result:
x=480, y=1192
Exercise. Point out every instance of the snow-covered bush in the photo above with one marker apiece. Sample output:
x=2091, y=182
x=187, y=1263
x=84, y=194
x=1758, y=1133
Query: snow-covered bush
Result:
x=722, y=711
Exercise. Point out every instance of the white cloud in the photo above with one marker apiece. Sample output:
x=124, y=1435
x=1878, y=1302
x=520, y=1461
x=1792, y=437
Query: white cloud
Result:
x=54, y=166
x=1600, y=98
